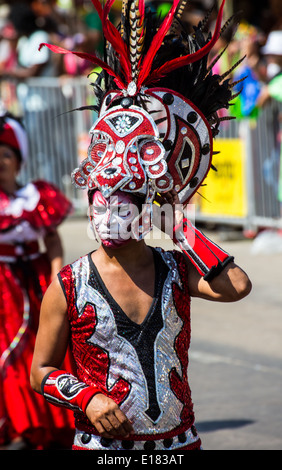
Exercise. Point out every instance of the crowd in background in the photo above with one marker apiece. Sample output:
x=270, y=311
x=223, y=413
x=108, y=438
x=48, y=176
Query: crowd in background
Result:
x=75, y=25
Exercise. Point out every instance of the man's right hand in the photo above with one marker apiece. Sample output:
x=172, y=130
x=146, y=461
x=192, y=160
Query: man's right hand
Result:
x=107, y=417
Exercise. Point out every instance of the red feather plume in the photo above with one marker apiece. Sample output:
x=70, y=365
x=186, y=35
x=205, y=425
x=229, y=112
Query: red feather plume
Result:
x=90, y=57
x=155, y=45
x=113, y=36
x=142, y=9
x=190, y=58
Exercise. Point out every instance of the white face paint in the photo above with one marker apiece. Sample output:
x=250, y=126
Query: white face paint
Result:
x=112, y=217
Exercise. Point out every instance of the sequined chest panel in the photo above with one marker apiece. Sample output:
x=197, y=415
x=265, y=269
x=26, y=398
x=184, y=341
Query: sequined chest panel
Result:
x=142, y=367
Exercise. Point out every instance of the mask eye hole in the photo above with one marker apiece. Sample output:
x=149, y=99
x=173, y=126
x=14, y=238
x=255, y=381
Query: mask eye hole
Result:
x=124, y=211
x=101, y=209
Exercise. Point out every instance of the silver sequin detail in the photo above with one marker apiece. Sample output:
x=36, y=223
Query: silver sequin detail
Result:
x=120, y=146
x=95, y=442
x=132, y=88
x=123, y=358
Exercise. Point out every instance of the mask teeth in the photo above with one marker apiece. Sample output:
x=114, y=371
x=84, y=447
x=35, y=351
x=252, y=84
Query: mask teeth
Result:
x=101, y=137
x=104, y=138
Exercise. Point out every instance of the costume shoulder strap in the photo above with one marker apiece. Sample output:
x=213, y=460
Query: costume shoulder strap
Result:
x=66, y=280
x=181, y=265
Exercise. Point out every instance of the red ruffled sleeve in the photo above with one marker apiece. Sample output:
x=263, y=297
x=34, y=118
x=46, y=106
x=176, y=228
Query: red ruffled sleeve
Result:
x=53, y=207
x=50, y=211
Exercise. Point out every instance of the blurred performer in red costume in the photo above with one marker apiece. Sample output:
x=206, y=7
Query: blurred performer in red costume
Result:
x=126, y=307
x=27, y=214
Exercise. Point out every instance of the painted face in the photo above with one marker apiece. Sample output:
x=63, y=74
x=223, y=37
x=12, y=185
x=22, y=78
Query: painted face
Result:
x=112, y=217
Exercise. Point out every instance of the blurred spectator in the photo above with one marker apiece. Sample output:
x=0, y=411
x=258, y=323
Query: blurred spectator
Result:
x=273, y=54
x=30, y=62
x=276, y=10
x=28, y=214
x=72, y=65
x=93, y=27
x=8, y=47
x=86, y=37
x=273, y=89
x=237, y=44
x=248, y=41
x=44, y=9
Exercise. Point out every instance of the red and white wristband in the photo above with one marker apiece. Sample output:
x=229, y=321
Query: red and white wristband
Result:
x=63, y=389
x=205, y=255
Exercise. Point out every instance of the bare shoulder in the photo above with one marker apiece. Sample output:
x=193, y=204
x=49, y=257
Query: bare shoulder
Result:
x=54, y=299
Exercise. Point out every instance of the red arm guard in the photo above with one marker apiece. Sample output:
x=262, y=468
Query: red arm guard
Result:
x=63, y=389
x=208, y=257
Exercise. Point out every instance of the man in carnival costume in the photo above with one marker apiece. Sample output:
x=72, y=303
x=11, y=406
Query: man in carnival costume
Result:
x=126, y=306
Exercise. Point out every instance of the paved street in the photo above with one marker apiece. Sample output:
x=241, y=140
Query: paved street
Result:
x=236, y=351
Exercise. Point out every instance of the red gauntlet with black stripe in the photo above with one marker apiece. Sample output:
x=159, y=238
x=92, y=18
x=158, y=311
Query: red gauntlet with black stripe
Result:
x=63, y=389
x=206, y=256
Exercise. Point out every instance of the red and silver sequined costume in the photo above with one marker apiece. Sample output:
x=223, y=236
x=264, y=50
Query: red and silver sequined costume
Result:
x=143, y=368
x=24, y=277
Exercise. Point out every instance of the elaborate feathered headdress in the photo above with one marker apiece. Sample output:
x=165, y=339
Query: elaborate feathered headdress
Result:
x=157, y=101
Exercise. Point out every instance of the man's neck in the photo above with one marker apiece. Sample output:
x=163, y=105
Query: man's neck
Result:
x=131, y=255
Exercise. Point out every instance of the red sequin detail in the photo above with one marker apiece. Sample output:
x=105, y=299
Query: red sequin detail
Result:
x=92, y=362
x=51, y=210
x=179, y=384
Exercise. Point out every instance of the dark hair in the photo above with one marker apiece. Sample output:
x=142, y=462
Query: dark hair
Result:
x=91, y=195
x=23, y=18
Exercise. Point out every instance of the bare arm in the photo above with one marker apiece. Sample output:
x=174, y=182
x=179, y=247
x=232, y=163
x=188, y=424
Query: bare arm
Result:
x=54, y=249
x=264, y=97
x=52, y=337
x=231, y=285
x=50, y=348
x=22, y=72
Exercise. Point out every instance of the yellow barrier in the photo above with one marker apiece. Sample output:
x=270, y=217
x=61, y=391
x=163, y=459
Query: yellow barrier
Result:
x=224, y=191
